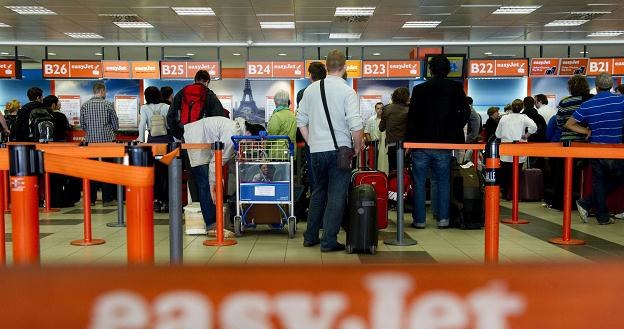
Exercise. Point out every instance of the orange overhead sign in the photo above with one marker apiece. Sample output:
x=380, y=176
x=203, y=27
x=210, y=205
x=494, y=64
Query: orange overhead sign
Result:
x=145, y=70
x=600, y=65
x=10, y=69
x=544, y=66
x=187, y=70
x=116, y=69
x=281, y=69
x=354, y=67
x=405, y=297
x=72, y=69
x=213, y=68
x=618, y=66
x=498, y=68
x=391, y=69
x=572, y=66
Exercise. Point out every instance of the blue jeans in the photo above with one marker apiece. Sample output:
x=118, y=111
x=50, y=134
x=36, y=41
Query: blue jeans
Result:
x=209, y=212
x=328, y=199
x=607, y=175
x=439, y=161
x=306, y=152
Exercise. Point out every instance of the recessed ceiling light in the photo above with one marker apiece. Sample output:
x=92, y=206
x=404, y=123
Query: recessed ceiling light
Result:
x=236, y=54
x=421, y=24
x=567, y=22
x=31, y=10
x=263, y=15
x=190, y=54
x=277, y=25
x=515, y=10
x=583, y=52
x=194, y=11
x=4, y=25
x=602, y=4
x=354, y=11
x=488, y=53
x=118, y=15
x=84, y=35
x=344, y=35
x=606, y=34
x=49, y=54
x=134, y=25
x=4, y=53
x=281, y=54
x=376, y=54
x=402, y=14
x=98, y=54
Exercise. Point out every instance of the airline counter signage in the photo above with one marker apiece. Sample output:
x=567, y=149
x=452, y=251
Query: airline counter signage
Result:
x=499, y=68
x=187, y=70
x=116, y=69
x=354, y=67
x=391, y=69
x=544, y=66
x=10, y=70
x=600, y=65
x=572, y=66
x=72, y=69
x=267, y=69
x=145, y=70
x=618, y=66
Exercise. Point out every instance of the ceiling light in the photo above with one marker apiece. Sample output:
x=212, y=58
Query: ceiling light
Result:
x=376, y=54
x=82, y=35
x=590, y=12
x=421, y=24
x=402, y=14
x=98, y=54
x=488, y=53
x=567, y=22
x=314, y=21
x=118, y=15
x=190, y=54
x=4, y=53
x=4, y=25
x=236, y=54
x=602, y=4
x=606, y=34
x=194, y=11
x=281, y=54
x=344, y=35
x=277, y=25
x=275, y=15
x=31, y=10
x=49, y=54
x=583, y=52
x=515, y=10
x=134, y=25
x=477, y=6
x=354, y=11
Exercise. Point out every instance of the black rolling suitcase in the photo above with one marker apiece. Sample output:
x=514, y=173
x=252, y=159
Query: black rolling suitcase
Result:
x=362, y=220
x=467, y=207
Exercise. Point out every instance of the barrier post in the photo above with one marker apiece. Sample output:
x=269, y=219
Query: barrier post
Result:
x=5, y=186
x=400, y=240
x=475, y=158
x=220, y=241
x=175, y=207
x=86, y=198
x=371, y=155
x=492, y=201
x=2, y=227
x=25, y=204
x=140, y=208
x=48, y=204
x=566, y=238
x=516, y=195
x=120, y=204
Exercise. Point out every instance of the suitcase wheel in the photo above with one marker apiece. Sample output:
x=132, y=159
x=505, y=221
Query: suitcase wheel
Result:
x=292, y=227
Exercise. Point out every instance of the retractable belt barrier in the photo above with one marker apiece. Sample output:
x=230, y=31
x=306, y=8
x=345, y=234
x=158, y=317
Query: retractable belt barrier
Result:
x=493, y=150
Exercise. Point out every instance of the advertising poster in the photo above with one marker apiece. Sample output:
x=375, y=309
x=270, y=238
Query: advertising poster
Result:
x=226, y=102
x=70, y=106
x=270, y=107
x=367, y=105
x=127, y=108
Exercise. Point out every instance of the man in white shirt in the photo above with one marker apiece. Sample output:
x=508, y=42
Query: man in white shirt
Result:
x=547, y=112
x=371, y=129
x=331, y=185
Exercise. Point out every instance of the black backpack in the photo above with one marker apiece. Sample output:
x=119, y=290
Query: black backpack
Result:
x=41, y=125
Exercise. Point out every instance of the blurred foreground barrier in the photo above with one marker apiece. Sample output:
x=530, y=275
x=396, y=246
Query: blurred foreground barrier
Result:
x=319, y=297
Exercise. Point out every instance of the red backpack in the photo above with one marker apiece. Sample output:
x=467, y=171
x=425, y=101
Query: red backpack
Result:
x=193, y=102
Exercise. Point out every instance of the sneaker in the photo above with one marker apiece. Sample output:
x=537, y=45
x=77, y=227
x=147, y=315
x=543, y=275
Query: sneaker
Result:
x=582, y=211
x=619, y=216
x=226, y=233
x=610, y=221
x=419, y=226
x=337, y=247
x=443, y=223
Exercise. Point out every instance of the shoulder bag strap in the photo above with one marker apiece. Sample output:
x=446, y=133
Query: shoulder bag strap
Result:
x=324, y=99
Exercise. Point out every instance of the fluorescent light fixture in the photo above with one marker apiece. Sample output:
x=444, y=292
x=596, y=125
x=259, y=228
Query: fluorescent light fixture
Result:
x=193, y=11
x=190, y=54
x=606, y=34
x=477, y=6
x=98, y=54
x=590, y=12
x=488, y=53
x=376, y=54
x=313, y=21
x=264, y=15
x=4, y=25
x=31, y=10
x=344, y=35
x=421, y=24
x=567, y=22
x=4, y=53
x=402, y=14
x=354, y=11
x=516, y=10
x=602, y=4
x=134, y=25
x=49, y=54
x=406, y=38
x=118, y=15
x=277, y=25
x=84, y=35
x=281, y=54
x=236, y=54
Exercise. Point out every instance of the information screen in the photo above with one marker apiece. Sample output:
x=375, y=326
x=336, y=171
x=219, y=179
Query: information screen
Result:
x=457, y=66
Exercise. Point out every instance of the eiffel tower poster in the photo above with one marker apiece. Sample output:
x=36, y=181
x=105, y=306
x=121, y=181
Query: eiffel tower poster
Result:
x=247, y=108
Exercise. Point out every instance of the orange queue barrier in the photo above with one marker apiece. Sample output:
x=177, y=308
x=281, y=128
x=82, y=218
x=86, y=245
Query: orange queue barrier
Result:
x=220, y=241
x=341, y=296
x=87, y=239
x=515, y=204
x=46, y=186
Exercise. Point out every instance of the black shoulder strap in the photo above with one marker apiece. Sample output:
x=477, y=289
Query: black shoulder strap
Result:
x=331, y=127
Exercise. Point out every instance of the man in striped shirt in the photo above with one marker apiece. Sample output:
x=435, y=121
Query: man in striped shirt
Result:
x=604, y=116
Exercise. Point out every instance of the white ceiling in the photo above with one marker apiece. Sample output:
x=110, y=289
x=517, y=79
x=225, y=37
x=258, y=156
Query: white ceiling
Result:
x=236, y=22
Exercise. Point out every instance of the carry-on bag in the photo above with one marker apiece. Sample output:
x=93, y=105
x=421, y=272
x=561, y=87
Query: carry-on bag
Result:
x=362, y=221
x=467, y=208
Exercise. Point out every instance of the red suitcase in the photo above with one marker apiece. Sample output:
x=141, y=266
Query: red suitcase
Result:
x=531, y=185
x=379, y=180
x=615, y=200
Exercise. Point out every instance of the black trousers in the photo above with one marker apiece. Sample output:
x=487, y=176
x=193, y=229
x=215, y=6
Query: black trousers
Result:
x=109, y=191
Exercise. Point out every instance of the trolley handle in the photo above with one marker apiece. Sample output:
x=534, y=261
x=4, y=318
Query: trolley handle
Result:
x=263, y=136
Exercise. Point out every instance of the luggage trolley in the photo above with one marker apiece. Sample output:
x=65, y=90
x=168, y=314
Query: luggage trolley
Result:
x=264, y=175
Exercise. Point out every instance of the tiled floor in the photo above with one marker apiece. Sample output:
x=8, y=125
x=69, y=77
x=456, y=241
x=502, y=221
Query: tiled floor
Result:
x=522, y=243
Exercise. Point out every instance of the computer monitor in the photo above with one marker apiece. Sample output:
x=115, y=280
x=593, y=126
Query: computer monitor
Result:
x=458, y=65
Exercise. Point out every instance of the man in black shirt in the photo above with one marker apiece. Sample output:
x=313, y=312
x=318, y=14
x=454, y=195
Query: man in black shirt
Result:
x=438, y=113
x=61, y=124
x=22, y=133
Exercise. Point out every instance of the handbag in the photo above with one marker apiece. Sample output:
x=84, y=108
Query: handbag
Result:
x=344, y=154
